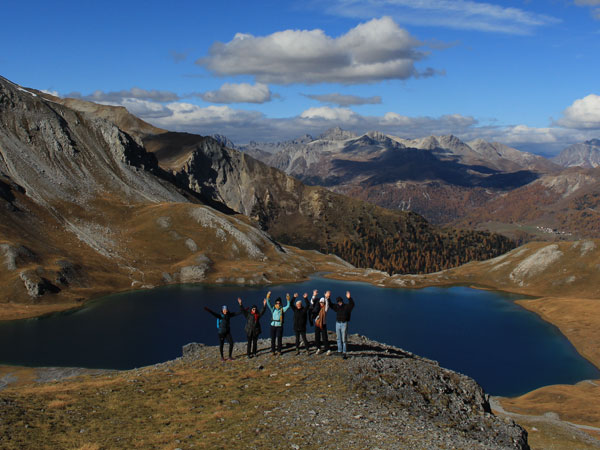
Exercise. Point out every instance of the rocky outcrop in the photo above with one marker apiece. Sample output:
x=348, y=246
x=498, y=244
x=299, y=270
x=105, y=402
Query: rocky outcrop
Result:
x=36, y=285
x=382, y=396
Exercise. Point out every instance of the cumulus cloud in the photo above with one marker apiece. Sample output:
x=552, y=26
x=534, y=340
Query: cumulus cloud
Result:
x=239, y=93
x=343, y=115
x=583, y=114
x=458, y=14
x=135, y=93
x=242, y=126
x=144, y=108
x=372, y=51
x=345, y=100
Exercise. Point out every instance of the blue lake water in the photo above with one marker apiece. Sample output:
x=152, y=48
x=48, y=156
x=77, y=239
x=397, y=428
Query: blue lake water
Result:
x=483, y=334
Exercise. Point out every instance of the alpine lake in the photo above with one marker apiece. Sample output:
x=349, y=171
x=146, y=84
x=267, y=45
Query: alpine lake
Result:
x=483, y=334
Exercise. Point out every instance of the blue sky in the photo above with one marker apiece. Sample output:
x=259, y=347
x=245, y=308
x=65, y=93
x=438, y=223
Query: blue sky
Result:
x=524, y=73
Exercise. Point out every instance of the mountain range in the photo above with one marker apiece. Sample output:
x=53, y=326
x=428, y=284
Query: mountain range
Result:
x=94, y=200
x=451, y=182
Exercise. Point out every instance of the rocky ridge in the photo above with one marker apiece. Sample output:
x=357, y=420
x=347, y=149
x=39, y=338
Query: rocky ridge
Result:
x=85, y=209
x=440, y=177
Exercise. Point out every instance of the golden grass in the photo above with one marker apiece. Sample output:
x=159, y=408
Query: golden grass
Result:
x=188, y=403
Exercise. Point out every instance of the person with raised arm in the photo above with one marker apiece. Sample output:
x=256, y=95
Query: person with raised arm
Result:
x=300, y=318
x=277, y=313
x=320, y=315
x=252, y=328
x=224, y=329
x=343, y=313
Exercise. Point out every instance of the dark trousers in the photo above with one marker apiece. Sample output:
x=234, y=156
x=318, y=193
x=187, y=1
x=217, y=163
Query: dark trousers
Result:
x=276, y=332
x=303, y=334
x=229, y=338
x=321, y=336
x=252, y=345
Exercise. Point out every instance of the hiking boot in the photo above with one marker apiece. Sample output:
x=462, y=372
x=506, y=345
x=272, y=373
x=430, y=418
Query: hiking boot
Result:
x=318, y=351
x=345, y=356
x=328, y=352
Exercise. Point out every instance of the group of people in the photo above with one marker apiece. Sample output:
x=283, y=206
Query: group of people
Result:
x=306, y=311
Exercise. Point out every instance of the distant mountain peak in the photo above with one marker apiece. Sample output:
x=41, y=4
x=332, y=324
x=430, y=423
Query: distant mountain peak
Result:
x=222, y=139
x=337, y=134
x=584, y=154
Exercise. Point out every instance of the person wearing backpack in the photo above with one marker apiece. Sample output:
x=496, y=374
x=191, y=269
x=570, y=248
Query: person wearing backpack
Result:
x=252, y=328
x=224, y=329
x=277, y=312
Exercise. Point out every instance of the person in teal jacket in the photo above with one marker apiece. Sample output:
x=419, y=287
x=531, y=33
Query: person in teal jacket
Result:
x=277, y=314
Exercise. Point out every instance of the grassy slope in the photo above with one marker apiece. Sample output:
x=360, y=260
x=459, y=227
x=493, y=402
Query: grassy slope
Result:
x=141, y=252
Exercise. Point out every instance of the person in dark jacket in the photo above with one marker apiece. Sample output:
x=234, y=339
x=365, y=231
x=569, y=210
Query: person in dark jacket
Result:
x=343, y=312
x=300, y=318
x=252, y=328
x=223, y=329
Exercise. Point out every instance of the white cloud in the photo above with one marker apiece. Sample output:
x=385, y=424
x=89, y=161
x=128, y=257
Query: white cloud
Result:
x=53, y=93
x=242, y=126
x=143, y=108
x=343, y=115
x=458, y=14
x=133, y=93
x=584, y=113
x=344, y=99
x=239, y=93
x=373, y=51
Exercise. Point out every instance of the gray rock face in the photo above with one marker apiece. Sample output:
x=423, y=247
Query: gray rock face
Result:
x=36, y=285
x=57, y=154
x=585, y=154
x=195, y=273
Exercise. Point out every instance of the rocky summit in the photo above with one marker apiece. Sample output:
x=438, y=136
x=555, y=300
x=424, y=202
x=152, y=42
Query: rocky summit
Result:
x=380, y=397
